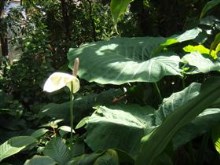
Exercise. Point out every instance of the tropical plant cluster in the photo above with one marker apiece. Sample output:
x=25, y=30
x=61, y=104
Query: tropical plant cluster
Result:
x=110, y=82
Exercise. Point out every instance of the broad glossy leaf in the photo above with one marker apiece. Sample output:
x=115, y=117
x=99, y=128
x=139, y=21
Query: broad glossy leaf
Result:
x=156, y=142
x=57, y=150
x=210, y=5
x=15, y=145
x=59, y=80
x=83, y=105
x=124, y=60
x=40, y=160
x=203, y=64
x=118, y=8
x=186, y=36
x=197, y=127
x=119, y=127
x=176, y=100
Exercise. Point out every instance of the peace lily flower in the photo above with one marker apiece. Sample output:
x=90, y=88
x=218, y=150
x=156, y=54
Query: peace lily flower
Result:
x=59, y=80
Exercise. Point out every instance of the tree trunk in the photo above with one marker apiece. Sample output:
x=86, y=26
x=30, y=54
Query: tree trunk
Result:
x=65, y=14
x=3, y=30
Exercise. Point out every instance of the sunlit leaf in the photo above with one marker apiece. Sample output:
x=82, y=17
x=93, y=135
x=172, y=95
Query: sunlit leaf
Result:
x=59, y=80
x=124, y=60
x=15, y=145
x=66, y=128
x=216, y=137
x=203, y=64
x=201, y=49
x=118, y=8
x=186, y=36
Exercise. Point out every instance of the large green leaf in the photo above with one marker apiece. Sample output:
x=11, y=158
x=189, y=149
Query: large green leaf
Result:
x=57, y=150
x=197, y=127
x=118, y=8
x=15, y=145
x=186, y=36
x=176, y=100
x=123, y=60
x=119, y=127
x=40, y=160
x=156, y=142
x=82, y=106
x=203, y=64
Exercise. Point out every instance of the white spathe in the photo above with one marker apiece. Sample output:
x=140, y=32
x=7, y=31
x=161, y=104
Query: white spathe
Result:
x=59, y=80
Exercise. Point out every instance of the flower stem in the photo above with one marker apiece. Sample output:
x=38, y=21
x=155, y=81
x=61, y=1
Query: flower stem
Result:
x=71, y=113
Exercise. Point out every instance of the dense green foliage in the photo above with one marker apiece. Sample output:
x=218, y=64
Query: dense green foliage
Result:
x=149, y=82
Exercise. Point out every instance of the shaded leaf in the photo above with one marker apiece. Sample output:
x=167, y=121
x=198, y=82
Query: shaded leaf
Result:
x=156, y=142
x=40, y=132
x=210, y=5
x=57, y=150
x=40, y=160
x=85, y=159
x=197, y=127
x=82, y=106
x=110, y=157
x=119, y=127
x=176, y=100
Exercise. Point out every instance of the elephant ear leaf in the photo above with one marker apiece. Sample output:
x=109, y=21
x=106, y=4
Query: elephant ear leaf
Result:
x=155, y=143
x=119, y=127
x=124, y=60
